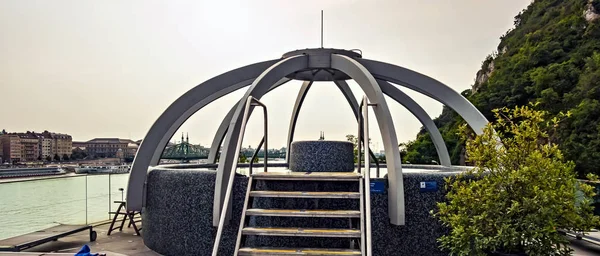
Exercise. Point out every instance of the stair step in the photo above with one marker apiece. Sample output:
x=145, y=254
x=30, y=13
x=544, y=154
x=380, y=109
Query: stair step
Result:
x=310, y=232
x=274, y=251
x=325, y=176
x=304, y=213
x=304, y=194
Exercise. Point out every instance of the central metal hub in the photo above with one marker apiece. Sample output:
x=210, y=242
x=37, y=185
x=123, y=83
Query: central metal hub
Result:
x=319, y=64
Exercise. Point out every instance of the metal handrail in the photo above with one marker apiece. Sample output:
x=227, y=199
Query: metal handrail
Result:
x=376, y=163
x=256, y=154
x=367, y=173
x=359, y=141
x=251, y=101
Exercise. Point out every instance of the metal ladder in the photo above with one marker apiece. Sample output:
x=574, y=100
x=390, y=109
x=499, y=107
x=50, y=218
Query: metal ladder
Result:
x=358, y=234
x=354, y=234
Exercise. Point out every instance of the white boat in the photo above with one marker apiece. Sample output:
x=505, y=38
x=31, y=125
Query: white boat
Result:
x=103, y=169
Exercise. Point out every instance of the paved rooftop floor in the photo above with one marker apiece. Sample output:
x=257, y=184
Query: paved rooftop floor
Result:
x=127, y=243
x=117, y=244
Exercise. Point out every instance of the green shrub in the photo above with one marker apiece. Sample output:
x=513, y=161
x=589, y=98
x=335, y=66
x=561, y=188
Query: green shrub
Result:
x=522, y=194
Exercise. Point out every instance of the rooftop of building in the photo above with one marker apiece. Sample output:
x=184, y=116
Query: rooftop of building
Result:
x=36, y=135
x=110, y=140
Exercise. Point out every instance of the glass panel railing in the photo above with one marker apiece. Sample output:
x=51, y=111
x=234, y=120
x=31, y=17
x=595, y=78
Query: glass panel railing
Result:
x=28, y=206
x=31, y=205
x=97, y=198
x=118, y=189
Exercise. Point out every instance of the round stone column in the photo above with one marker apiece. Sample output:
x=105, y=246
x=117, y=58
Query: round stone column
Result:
x=322, y=156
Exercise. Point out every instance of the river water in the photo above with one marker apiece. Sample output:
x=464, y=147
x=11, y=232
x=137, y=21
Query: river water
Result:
x=28, y=206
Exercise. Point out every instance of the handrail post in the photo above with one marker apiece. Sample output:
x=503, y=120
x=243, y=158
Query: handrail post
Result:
x=266, y=124
x=250, y=101
x=367, y=183
x=358, y=137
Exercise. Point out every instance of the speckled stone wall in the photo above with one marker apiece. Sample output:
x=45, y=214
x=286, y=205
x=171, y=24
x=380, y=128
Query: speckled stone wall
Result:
x=322, y=156
x=178, y=214
x=177, y=219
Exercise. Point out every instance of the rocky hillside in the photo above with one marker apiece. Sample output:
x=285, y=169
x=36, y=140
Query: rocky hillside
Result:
x=551, y=56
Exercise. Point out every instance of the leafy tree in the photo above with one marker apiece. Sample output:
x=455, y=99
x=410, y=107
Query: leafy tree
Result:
x=39, y=158
x=48, y=159
x=78, y=154
x=521, y=192
x=56, y=158
x=65, y=157
x=551, y=57
x=243, y=158
x=381, y=159
x=354, y=140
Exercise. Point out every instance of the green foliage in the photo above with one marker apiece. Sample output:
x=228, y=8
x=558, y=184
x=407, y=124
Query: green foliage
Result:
x=56, y=158
x=551, y=57
x=520, y=192
x=381, y=159
x=596, y=5
x=243, y=158
x=78, y=154
x=354, y=140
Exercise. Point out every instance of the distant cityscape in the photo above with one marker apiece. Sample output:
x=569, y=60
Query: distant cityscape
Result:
x=46, y=146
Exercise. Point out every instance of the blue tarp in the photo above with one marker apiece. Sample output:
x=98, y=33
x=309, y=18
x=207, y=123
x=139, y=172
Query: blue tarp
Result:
x=85, y=251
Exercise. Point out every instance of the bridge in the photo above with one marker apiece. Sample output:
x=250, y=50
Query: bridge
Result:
x=185, y=151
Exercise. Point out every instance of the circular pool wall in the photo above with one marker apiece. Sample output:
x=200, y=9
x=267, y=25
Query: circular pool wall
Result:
x=322, y=156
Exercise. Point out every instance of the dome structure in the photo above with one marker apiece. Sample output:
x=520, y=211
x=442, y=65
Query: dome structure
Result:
x=375, y=78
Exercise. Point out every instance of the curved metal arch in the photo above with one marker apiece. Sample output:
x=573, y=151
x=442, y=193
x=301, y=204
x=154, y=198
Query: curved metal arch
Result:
x=294, y=118
x=424, y=118
x=222, y=130
x=386, y=127
x=172, y=118
x=430, y=87
x=259, y=87
x=409, y=104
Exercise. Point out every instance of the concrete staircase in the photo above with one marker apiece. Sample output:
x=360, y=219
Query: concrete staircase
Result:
x=268, y=228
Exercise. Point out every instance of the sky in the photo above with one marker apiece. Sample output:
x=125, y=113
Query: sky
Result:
x=110, y=68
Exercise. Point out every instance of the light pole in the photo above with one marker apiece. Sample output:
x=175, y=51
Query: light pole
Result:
x=121, y=189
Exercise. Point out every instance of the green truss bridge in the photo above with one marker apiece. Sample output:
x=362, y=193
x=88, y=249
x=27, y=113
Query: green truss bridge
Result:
x=185, y=152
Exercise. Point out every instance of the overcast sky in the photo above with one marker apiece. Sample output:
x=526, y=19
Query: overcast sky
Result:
x=110, y=68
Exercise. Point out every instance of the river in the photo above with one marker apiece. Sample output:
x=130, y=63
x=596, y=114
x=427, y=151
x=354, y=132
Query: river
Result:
x=28, y=206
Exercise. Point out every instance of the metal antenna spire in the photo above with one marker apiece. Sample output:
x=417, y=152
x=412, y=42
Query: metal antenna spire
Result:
x=321, y=28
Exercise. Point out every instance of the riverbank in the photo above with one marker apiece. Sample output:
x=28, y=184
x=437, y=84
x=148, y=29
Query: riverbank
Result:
x=49, y=177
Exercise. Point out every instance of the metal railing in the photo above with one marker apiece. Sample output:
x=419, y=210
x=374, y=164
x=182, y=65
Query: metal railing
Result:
x=359, y=140
x=250, y=102
x=363, y=128
x=263, y=140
